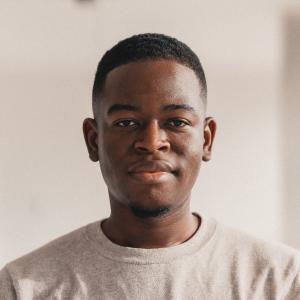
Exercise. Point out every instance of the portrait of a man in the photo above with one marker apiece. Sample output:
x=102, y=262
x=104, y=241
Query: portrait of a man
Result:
x=151, y=135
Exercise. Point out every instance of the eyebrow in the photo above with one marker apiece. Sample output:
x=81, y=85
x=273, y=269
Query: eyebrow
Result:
x=121, y=107
x=171, y=107
x=128, y=107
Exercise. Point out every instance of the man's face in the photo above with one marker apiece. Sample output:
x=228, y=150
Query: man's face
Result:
x=151, y=134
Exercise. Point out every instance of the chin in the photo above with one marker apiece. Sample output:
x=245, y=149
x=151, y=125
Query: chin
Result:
x=143, y=212
x=151, y=204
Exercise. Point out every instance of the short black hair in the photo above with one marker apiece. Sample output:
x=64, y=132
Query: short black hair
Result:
x=144, y=47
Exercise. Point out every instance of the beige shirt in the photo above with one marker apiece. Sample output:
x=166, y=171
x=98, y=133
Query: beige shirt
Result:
x=216, y=263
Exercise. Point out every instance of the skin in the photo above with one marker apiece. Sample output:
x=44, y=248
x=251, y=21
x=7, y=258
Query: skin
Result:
x=150, y=135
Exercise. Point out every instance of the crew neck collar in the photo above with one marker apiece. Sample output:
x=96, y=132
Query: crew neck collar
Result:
x=113, y=251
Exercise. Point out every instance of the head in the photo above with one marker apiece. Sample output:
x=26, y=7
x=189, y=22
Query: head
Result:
x=147, y=47
x=150, y=132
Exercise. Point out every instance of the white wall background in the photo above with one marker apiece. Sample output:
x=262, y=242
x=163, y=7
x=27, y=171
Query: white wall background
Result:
x=49, y=52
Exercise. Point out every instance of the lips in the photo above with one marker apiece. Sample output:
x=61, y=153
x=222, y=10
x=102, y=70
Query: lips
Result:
x=151, y=172
x=153, y=166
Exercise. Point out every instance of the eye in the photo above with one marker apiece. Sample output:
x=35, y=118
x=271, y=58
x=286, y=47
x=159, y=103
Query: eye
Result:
x=177, y=123
x=125, y=123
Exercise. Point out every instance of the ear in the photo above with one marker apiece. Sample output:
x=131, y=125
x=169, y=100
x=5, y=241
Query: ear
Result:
x=210, y=127
x=91, y=137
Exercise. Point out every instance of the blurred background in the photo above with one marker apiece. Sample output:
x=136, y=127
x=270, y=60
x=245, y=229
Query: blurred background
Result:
x=49, y=52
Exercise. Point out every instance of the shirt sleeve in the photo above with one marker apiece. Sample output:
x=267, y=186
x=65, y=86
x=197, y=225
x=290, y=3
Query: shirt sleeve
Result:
x=7, y=290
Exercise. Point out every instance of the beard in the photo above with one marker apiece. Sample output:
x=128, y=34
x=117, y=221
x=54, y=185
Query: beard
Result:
x=144, y=213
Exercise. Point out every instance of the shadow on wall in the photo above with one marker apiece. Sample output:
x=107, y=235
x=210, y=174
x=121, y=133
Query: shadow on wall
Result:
x=290, y=105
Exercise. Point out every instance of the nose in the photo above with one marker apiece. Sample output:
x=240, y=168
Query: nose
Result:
x=151, y=139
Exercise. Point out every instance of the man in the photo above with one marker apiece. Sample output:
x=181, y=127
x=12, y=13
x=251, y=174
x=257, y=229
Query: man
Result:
x=150, y=134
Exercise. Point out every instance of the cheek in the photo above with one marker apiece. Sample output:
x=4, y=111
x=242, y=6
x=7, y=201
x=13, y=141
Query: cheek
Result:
x=194, y=159
x=191, y=151
x=191, y=146
x=112, y=155
x=191, y=168
x=111, y=146
x=109, y=160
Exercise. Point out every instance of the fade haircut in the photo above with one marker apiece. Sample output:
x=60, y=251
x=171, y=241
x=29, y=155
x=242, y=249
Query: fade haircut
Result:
x=148, y=46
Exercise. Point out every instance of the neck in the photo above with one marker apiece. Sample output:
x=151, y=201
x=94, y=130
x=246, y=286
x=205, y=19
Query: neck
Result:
x=173, y=228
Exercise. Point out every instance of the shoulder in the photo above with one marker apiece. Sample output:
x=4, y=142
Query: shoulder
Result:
x=259, y=249
x=241, y=263
x=53, y=256
x=269, y=264
x=49, y=269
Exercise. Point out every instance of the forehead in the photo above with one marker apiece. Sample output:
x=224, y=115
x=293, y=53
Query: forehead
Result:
x=160, y=81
